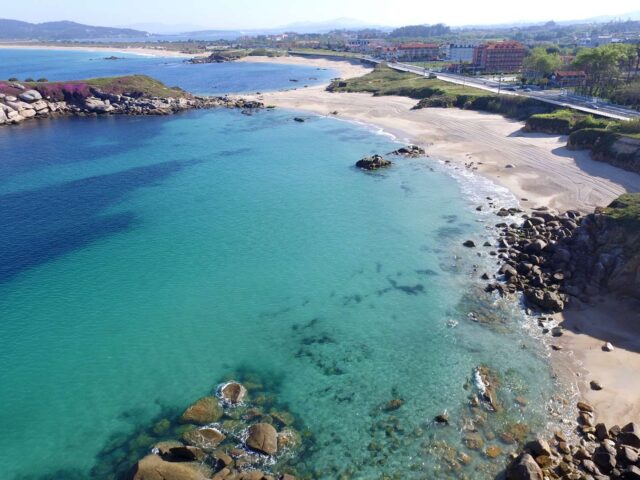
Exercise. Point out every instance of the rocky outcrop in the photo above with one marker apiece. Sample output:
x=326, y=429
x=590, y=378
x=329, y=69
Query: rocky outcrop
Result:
x=216, y=57
x=374, y=162
x=600, y=453
x=152, y=467
x=411, y=151
x=552, y=258
x=533, y=259
x=30, y=104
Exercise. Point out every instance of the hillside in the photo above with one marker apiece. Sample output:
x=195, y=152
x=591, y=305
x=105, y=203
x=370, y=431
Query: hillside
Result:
x=64, y=30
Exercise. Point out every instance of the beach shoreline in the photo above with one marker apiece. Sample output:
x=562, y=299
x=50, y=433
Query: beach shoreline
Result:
x=148, y=51
x=540, y=171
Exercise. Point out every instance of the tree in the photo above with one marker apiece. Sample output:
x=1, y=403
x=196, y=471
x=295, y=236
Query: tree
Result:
x=602, y=66
x=540, y=63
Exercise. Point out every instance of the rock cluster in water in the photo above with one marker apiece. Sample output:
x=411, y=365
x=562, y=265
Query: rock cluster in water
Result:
x=374, y=162
x=31, y=104
x=600, y=453
x=223, y=436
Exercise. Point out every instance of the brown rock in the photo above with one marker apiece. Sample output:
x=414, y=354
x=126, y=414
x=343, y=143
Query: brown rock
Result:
x=585, y=407
x=263, y=438
x=233, y=393
x=152, y=467
x=524, y=468
x=204, y=411
x=493, y=451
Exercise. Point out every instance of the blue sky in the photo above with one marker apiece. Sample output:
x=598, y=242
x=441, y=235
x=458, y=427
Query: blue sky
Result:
x=274, y=13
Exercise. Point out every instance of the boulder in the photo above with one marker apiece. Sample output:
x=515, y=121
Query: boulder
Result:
x=631, y=473
x=524, y=468
x=539, y=447
x=30, y=96
x=152, y=467
x=204, y=411
x=546, y=300
x=604, y=459
x=262, y=438
x=630, y=435
x=233, y=393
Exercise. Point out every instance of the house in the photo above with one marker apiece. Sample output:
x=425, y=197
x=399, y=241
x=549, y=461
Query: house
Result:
x=569, y=78
x=416, y=51
x=499, y=57
x=358, y=45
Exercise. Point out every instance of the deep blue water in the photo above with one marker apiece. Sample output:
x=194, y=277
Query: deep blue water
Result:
x=215, y=79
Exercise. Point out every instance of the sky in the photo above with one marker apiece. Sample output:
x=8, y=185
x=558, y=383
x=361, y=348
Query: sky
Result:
x=247, y=14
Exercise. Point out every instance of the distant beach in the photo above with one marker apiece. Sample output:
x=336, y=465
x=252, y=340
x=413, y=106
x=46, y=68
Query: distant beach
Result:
x=149, y=51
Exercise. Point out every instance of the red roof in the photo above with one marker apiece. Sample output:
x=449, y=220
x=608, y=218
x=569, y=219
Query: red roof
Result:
x=411, y=45
x=505, y=44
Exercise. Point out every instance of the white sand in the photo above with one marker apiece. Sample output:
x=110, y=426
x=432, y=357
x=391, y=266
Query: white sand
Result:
x=346, y=69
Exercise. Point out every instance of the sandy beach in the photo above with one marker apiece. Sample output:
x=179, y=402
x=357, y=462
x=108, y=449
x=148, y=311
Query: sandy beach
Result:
x=148, y=51
x=345, y=68
x=539, y=170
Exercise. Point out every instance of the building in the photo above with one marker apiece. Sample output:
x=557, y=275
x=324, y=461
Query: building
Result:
x=415, y=51
x=499, y=57
x=460, y=53
x=569, y=78
x=358, y=45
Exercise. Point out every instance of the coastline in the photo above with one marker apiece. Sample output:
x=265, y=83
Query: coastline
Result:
x=149, y=51
x=540, y=171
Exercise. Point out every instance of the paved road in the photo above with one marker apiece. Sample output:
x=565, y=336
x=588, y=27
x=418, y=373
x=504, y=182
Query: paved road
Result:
x=554, y=97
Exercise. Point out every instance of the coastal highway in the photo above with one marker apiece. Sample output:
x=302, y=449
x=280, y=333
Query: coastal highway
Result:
x=554, y=97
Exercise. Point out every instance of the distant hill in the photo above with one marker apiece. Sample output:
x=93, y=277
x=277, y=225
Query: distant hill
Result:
x=64, y=30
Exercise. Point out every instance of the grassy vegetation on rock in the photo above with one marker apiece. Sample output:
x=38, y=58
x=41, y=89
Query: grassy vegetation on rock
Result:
x=433, y=92
x=626, y=210
x=135, y=85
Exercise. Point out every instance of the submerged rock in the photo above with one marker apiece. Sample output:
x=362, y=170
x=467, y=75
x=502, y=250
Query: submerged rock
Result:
x=205, y=438
x=204, y=411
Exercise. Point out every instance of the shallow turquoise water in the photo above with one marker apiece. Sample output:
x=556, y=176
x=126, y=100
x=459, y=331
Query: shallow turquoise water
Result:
x=142, y=260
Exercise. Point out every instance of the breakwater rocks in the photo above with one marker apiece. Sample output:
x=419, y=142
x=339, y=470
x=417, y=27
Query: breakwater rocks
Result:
x=600, y=453
x=229, y=435
x=15, y=109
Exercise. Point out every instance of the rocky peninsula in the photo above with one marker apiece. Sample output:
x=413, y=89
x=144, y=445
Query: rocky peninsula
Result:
x=130, y=95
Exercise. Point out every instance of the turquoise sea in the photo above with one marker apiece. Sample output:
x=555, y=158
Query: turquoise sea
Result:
x=145, y=259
